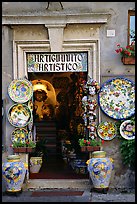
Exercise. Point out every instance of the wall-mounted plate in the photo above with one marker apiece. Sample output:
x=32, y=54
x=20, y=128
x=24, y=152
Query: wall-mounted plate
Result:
x=117, y=98
x=20, y=90
x=107, y=130
x=19, y=115
x=127, y=130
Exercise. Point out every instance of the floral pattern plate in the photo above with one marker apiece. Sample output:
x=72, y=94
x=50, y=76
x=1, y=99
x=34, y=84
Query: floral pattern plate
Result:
x=127, y=130
x=107, y=130
x=117, y=98
x=19, y=115
x=19, y=134
x=20, y=90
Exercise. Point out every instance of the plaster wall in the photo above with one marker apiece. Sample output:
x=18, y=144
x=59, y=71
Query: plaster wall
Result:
x=109, y=62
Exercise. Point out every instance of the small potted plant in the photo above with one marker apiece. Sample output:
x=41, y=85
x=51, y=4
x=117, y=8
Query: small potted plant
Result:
x=93, y=145
x=89, y=145
x=23, y=147
x=83, y=144
x=127, y=53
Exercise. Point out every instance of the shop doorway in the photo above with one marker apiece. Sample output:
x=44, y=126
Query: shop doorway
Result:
x=57, y=118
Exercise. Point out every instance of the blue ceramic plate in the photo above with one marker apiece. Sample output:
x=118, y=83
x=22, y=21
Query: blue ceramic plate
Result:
x=117, y=98
x=20, y=90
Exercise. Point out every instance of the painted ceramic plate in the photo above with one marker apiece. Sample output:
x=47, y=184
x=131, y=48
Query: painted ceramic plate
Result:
x=20, y=90
x=19, y=115
x=19, y=134
x=107, y=130
x=117, y=98
x=127, y=130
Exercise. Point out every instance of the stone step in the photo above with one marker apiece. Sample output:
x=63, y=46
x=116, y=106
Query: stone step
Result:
x=57, y=183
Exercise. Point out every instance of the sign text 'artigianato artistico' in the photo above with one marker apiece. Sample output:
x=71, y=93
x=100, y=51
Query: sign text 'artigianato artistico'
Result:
x=57, y=62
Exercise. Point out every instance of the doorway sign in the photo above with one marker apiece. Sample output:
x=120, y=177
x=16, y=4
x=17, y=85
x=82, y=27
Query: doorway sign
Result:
x=57, y=62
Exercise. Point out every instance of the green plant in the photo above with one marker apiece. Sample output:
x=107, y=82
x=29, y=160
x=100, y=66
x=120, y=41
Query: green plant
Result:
x=127, y=147
x=94, y=142
x=27, y=143
x=90, y=142
x=82, y=142
x=128, y=51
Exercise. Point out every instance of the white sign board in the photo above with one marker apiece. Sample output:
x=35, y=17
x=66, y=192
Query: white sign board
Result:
x=57, y=62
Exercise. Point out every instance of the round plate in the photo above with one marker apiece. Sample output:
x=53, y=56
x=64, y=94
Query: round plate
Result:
x=19, y=134
x=20, y=90
x=107, y=130
x=19, y=115
x=127, y=130
x=117, y=98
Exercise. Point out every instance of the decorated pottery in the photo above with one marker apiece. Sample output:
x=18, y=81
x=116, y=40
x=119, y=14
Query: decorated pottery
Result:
x=117, y=98
x=20, y=90
x=107, y=130
x=19, y=134
x=100, y=168
x=35, y=164
x=13, y=172
x=127, y=130
x=19, y=115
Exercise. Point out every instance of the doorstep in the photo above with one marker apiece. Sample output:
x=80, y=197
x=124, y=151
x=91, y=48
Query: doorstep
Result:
x=32, y=184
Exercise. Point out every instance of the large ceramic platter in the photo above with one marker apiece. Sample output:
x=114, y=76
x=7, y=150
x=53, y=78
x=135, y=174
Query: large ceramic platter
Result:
x=107, y=130
x=117, y=98
x=20, y=90
x=127, y=130
x=19, y=134
x=19, y=115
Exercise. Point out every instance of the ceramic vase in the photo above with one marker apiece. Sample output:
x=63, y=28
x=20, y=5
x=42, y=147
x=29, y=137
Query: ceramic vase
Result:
x=35, y=164
x=13, y=172
x=100, y=168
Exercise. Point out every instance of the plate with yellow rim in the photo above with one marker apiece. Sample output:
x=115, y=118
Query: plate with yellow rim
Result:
x=107, y=130
x=19, y=134
x=20, y=90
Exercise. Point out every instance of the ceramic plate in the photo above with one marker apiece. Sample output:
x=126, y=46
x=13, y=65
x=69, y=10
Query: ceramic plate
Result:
x=117, y=98
x=107, y=130
x=19, y=115
x=127, y=130
x=20, y=90
x=19, y=134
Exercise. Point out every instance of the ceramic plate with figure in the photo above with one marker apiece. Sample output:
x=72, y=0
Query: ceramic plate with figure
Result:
x=20, y=90
x=19, y=134
x=19, y=115
x=127, y=130
x=107, y=130
x=117, y=98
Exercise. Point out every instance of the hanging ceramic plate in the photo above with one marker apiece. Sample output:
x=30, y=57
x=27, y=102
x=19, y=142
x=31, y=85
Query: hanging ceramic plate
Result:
x=20, y=90
x=117, y=98
x=19, y=115
x=19, y=134
x=127, y=130
x=107, y=130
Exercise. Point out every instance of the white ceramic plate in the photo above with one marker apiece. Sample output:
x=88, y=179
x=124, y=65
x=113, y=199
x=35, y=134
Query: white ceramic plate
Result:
x=127, y=130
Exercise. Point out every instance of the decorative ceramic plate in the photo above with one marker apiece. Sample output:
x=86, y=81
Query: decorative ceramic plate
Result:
x=20, y=90
x=127, y=130
x=117, y=98
x=107, y=130
x=19, y=134
x=19, y=115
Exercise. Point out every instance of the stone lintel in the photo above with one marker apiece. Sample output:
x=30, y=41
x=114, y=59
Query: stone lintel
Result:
x=56, y=18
